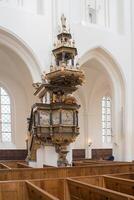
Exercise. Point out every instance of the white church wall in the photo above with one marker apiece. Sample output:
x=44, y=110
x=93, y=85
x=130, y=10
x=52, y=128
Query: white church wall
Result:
x=32, y=6
x=96, y=86
x=19, y=113
x=37, y=32
x=31, y=29
x=95, y=119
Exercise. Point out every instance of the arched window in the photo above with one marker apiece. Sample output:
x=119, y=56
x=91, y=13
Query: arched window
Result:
x=5, y=117
x=106, y=120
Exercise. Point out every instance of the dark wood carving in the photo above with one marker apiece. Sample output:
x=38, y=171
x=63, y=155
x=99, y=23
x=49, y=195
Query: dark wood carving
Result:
x=78, y=154
x=98, y=154
x=13, y=154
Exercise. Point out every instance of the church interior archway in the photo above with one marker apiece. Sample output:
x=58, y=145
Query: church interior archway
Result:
x=17, y=79
x=103, y=79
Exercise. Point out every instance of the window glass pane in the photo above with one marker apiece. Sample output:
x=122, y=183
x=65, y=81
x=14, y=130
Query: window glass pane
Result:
x=103, y=110
x=106, y=120
x=103, y=131
x=109, y=139
x=103, y=139
x=6, y=137
x=103, y=98
x=103, y=118
x=108, y=125
x=108, y=111
x=108, y=104
x=6, y=127
x=108, y=99
x=103, y=103
x=108, y=131
x=5, y=108
x=103, y=125
x=3, y=92
x=5, y=118
x=5, y=100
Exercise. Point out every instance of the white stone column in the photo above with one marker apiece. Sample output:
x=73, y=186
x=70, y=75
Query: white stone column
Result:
x=69, y=155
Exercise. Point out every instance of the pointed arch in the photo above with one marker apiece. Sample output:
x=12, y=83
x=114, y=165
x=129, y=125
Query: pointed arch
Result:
x=21, y=48
x=112, y=69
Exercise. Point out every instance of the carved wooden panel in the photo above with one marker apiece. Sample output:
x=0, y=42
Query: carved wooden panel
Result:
x=13, y=154
x=78, y=154
x=98, y=154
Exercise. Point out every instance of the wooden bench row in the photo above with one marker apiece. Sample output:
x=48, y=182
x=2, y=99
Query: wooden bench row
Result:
x=85, y=162
x=83, y=191
x=13, y=164
x=41, y=173
x=17, y=164
x=111, y=182
x=105, y=187
x=94, y=182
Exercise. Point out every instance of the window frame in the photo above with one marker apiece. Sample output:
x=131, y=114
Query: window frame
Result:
x=11, y=115
x=105, y=129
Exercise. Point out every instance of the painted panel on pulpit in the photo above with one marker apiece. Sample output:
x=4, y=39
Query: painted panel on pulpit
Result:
x=67, y=117
x=44, y=118
x=56, y=117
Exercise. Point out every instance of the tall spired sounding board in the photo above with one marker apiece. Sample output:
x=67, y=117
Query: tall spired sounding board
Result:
x=54, y=121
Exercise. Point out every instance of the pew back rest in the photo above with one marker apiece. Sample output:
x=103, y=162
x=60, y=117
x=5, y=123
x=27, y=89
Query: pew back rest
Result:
x=83, y=191
x=35, y=193
x=56, y=187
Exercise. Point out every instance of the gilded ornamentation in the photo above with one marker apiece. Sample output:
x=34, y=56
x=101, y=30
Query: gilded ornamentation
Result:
x=54, y=121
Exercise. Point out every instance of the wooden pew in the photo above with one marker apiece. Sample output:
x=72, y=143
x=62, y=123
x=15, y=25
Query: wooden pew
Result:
x=43, y=190
x=99, y=169
x=42, y=173
x=119, y=184
x=44, y=166
x=23, y=190
x=93, y=180
x=12, y=163
x=92, y=162
x=125, y=175
x=36, y=193
x=13, y=191
x=110, y=182
x=3, y=166
x=105, y=187
x=22, y=165
x=56, y=187
x=83, y=191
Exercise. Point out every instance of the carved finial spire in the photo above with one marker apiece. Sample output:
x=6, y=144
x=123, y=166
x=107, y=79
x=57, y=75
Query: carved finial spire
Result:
x=63, y=23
